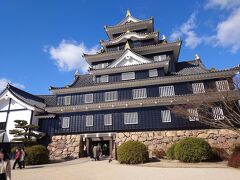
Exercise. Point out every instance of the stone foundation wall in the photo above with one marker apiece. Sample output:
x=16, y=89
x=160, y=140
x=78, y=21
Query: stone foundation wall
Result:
x=64, y=146
x=163, y=139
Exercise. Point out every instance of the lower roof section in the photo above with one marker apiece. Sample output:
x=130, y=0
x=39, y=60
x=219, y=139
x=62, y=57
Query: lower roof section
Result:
x=176, y=78
x=148, y=102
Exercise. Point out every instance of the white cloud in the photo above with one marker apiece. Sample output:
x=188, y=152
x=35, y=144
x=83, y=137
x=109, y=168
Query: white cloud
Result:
x=222, y=4
x=68, y=55
x=228, y=34
x=4, y=82
x=187, y=29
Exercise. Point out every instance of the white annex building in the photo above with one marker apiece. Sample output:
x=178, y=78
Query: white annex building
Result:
x=16, y=104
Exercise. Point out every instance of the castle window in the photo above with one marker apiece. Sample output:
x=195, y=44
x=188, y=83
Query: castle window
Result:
x=139, y=93
x=166, y=116
x=160, y=57
x=107, y=119
x=128, y=75
x=89, y=120
x=131, y=118
x=217, y=113
x=153, y=73
x=166, y=91
x=67, y=100
x=222, y=85
x=193, y=115
x=104, y=78
x=65, y=122
x=100, y=66
x=111, y=96
x=136, y=44
x=198, y=88
x=88, y=98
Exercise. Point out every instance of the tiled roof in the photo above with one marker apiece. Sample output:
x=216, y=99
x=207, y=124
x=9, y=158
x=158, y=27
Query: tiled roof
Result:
x=80, y=81
x=26, y=97
x=190, y=67
x=49, y=100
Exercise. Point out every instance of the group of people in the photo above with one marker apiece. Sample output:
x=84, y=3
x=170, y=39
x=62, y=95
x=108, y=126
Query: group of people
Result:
x=96, y=151
x=19, y=158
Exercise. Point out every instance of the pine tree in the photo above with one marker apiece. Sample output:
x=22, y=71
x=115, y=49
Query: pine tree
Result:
x=24, y=132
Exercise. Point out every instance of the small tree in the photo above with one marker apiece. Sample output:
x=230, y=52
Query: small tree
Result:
x=24, y=132
x=229, y=102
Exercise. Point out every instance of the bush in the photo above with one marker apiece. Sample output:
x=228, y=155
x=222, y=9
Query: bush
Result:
x=13, y=149
x=170, y=152
x=192, y=150
x=132, y=152
x=234, y=160
x=37, y=154
x=159, y=153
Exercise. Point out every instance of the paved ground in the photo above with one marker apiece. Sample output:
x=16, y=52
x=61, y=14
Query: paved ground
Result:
x=83, y=169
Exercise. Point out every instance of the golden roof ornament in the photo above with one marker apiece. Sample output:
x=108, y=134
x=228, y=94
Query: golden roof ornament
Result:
x=164, y=41
x=128, y=13
x=196, y=57
x=76, y=73
x=127, y=46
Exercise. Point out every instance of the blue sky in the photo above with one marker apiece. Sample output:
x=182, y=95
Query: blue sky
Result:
x=41, y=42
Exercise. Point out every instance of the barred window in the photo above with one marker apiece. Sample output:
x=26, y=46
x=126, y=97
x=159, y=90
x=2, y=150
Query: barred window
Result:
x=107, y=119
x=131, y=118
x=100, y=66
x=139, y=93
x=166, y=116
x=128, y=75
x=193, y=115
x=222, y=85
x=198, y=88
x=111, y=96
x=104, y=78
x=160, y=57
x=153, y=73
x=89, y=120
x=88, y=98
x=166, y=91
x=217, y=113
x=67, y=100
x=65, y=122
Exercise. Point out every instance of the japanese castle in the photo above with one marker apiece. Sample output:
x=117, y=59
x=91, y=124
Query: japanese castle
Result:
x=132, y=82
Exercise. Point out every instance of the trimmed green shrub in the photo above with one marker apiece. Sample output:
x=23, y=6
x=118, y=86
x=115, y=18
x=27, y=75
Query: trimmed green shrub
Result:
x=13, y=149
x=192, y=150
x=37, y=154
x=159, y=153
x=132, y=152
x=170, y=152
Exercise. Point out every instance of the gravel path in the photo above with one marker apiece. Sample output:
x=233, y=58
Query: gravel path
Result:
x=102, y=170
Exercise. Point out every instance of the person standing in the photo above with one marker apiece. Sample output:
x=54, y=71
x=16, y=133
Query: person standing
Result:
x=95, y=153
x=22, y=158
x=5, y=166
x=17, y=159
x=99, y=151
